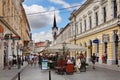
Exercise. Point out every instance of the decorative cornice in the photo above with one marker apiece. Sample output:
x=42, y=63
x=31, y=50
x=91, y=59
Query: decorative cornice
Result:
x=95, y=7
x=89, y=12
x=103, y=2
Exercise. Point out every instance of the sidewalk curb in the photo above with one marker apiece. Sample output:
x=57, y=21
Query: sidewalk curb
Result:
x=110, y=67
x=21, y=70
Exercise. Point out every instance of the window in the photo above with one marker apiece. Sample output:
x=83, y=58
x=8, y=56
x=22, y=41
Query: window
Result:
x=96, y=17
x=85, y=24
x=76, y=30
x=80, y=27
x=104, y=14
x=115, y=8
x=90, y=22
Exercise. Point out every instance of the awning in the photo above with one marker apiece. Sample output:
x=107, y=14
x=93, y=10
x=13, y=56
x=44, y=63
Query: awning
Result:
x=66, y=46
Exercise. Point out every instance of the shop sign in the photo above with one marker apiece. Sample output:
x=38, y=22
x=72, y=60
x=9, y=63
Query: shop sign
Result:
x=16, y=37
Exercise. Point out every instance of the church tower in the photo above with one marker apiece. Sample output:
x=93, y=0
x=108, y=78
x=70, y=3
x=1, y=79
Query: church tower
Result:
x=54, y=29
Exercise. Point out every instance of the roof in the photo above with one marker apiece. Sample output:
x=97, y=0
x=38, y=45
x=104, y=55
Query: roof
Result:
x=40, y=44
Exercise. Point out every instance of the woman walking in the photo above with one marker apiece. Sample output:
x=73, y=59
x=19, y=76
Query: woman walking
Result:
x=93, y=60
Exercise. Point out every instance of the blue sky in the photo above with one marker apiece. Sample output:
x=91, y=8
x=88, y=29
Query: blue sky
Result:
x=40, y=15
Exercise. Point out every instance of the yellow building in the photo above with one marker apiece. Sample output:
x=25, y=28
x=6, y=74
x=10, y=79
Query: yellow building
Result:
x=95, y=25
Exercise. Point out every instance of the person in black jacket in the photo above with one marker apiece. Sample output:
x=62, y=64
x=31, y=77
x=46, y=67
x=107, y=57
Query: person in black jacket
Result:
x=93, y=60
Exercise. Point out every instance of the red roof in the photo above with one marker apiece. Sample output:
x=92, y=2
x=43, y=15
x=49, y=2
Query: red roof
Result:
x=40, y=44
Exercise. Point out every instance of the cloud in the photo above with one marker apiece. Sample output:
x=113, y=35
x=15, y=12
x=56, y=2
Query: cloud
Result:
x=61, y=2
x=42, y=36
x=65, y=4
x=39, y=17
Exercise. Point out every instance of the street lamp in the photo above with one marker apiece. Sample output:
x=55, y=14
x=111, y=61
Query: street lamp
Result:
x=116, y=45
x=64, y=48
x=118, y=39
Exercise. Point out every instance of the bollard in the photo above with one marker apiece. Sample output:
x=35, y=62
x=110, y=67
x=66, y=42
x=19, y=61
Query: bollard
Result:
x=49, y=75
x=18, y=75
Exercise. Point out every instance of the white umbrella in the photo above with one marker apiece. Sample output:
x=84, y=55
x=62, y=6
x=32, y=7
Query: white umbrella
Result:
x=65, y=46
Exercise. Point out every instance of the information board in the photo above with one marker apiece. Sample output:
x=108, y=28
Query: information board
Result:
x=44, y=64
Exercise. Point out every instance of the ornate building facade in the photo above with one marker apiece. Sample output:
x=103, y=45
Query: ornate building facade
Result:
x=95, y=25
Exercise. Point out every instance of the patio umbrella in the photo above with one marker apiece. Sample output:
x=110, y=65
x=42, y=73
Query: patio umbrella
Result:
x=65, y=46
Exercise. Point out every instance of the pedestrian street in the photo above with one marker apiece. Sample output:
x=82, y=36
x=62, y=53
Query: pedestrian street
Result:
x=35, y=73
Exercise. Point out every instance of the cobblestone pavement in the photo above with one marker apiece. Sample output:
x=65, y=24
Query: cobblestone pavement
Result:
x=35, y=73
x=11, y=74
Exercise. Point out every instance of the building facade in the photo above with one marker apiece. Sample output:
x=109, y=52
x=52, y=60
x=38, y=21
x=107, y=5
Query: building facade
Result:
x=95, y=25
x=64, y=35
x=13, y=21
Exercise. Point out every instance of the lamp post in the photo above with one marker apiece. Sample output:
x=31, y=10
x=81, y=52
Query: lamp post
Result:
x=117, y=42
x=18, y=57
x=116, y=46
x=64, y=48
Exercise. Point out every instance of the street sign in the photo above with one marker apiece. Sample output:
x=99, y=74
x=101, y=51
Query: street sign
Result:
x=96, y=41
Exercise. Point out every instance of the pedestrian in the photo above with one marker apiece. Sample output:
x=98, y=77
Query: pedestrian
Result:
x=39, y=60
x=97, y=57
x=31, y=59
x=103, y=58
x=93, y=60
x=19, y=61
x=73, y=60
x=10, y=58
x=14, y=60
x=78, y=64
x=5, y=61
x=83, y=63
x=35, y=60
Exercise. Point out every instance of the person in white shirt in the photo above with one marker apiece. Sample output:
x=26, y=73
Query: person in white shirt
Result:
x=10, y=59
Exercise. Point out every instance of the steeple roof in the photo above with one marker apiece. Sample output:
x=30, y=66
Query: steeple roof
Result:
x=54, y=23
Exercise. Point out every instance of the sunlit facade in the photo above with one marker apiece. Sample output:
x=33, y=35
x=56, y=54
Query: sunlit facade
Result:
x=13, y=23
x=95, y=26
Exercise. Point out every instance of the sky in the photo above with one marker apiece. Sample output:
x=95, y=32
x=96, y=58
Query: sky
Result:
x=40, y=15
